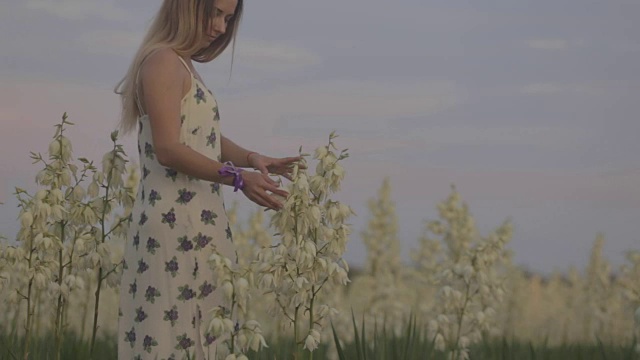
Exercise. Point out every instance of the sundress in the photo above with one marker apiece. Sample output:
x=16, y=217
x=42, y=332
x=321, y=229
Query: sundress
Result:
x=166, y=290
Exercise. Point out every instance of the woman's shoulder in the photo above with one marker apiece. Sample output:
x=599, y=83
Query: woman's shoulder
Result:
x=163, y=61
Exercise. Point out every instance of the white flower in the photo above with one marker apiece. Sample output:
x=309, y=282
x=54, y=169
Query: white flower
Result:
x=310, y=343
x=93, y=189
x=216, y=326
x=439, y=342
x=26, y=219
x=256, y=342
x=227, y=290
x=320, y=152
x=464, y=342
x=54, y=148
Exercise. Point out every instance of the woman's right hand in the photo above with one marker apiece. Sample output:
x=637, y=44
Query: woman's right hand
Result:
x=256, y=186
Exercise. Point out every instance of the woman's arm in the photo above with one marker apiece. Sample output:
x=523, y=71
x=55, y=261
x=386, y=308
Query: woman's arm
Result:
x=164, y=82
x=234, y=153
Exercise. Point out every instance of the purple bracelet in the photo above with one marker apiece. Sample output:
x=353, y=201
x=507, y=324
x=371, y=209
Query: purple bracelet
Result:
x=230, y=169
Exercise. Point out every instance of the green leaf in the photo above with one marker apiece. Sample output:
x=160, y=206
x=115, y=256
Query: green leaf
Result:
x=357, y=337
x=337, y=342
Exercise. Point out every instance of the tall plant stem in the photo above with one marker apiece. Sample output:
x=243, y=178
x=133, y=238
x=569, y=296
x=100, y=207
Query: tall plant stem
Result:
x=313, y=296
x=95, y=314
x=464, y=307
x=103, y=238
x=59, y=308
x=295, y=333
x=27, y=335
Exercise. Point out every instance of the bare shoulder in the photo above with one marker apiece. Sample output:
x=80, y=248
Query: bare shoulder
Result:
x=163, y=63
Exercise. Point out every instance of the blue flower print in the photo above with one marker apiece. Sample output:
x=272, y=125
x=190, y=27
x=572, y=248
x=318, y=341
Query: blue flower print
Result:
x=148, y=151
x=142, y=266
x=205, y=289
x=133, y=288
x=152, y=245
x=201, y=241
x=186, y=293
x=199, y=96
x=130, y=336
x=171, y=173
x=136, y=240
x=209, y=339
x=229, y=233
x=171, y=315
x=143, y=219
x=211, y=139
x=153, y=197
x=140, y=315
x=171, y=266
x=151, y=294
x=208, y=216
x=169, y=218
x=184, y=196
x=216, y=116
x=185, y=244
x=148, y=342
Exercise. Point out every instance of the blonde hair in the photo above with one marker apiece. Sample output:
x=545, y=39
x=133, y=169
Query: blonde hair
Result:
x=180, y=25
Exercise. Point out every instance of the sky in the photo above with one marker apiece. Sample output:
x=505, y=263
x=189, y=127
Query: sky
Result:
x=529, y=107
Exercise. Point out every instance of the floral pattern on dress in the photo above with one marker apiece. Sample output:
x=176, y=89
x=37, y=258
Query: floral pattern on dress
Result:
x=178, y=220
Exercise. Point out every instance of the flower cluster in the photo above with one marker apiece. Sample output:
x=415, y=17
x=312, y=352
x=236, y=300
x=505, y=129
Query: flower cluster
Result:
x=306, y=260
x=470, y=285
x=66, y=231
x=384, y=276
x=224, y=323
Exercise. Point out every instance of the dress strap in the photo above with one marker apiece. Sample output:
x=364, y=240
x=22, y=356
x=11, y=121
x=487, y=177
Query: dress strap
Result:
x=185, y=65
x=137, y=85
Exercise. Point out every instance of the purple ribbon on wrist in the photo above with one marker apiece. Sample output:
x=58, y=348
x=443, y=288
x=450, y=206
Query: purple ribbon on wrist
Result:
x=230, y=169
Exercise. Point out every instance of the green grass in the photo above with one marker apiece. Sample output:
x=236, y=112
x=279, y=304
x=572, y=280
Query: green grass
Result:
x=412, y=344
x=44, y=348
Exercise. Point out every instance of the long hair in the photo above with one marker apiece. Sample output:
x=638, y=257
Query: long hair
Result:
x=180, y=25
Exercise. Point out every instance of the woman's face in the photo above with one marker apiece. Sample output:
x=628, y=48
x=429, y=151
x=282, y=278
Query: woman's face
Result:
x=222, y=13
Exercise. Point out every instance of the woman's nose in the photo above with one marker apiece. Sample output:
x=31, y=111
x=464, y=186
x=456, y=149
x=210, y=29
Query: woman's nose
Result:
x=219, y=26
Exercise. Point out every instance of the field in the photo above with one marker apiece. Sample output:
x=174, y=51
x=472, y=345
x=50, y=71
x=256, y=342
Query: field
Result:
x=460, y=296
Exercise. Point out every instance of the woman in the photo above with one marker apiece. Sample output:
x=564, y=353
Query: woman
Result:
x=179, y=214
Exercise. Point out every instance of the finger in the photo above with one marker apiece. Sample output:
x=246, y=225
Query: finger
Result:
x=291, y=160
x=258, y=200
x=280, y=192
x=272, y=202
x=270, y=181
x=263, y=170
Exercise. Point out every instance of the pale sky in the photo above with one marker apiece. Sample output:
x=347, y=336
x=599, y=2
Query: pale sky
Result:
x=529, y=107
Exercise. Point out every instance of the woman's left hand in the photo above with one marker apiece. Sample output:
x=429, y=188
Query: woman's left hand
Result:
x=278, y=166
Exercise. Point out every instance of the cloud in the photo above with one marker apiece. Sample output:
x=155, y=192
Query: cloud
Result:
x=258, y=57
x=347, y=104
x=80, y=9
x=111, y=42
x=548, y=44
x=550, y=88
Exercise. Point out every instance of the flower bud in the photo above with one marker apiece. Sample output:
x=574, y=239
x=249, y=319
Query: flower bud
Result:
x=54, y=148
x=227, y=289
x=439, y=342
x=26, y=219
x=310, y=343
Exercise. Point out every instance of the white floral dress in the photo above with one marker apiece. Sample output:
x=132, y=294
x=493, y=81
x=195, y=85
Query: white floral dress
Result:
x=166, y=283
